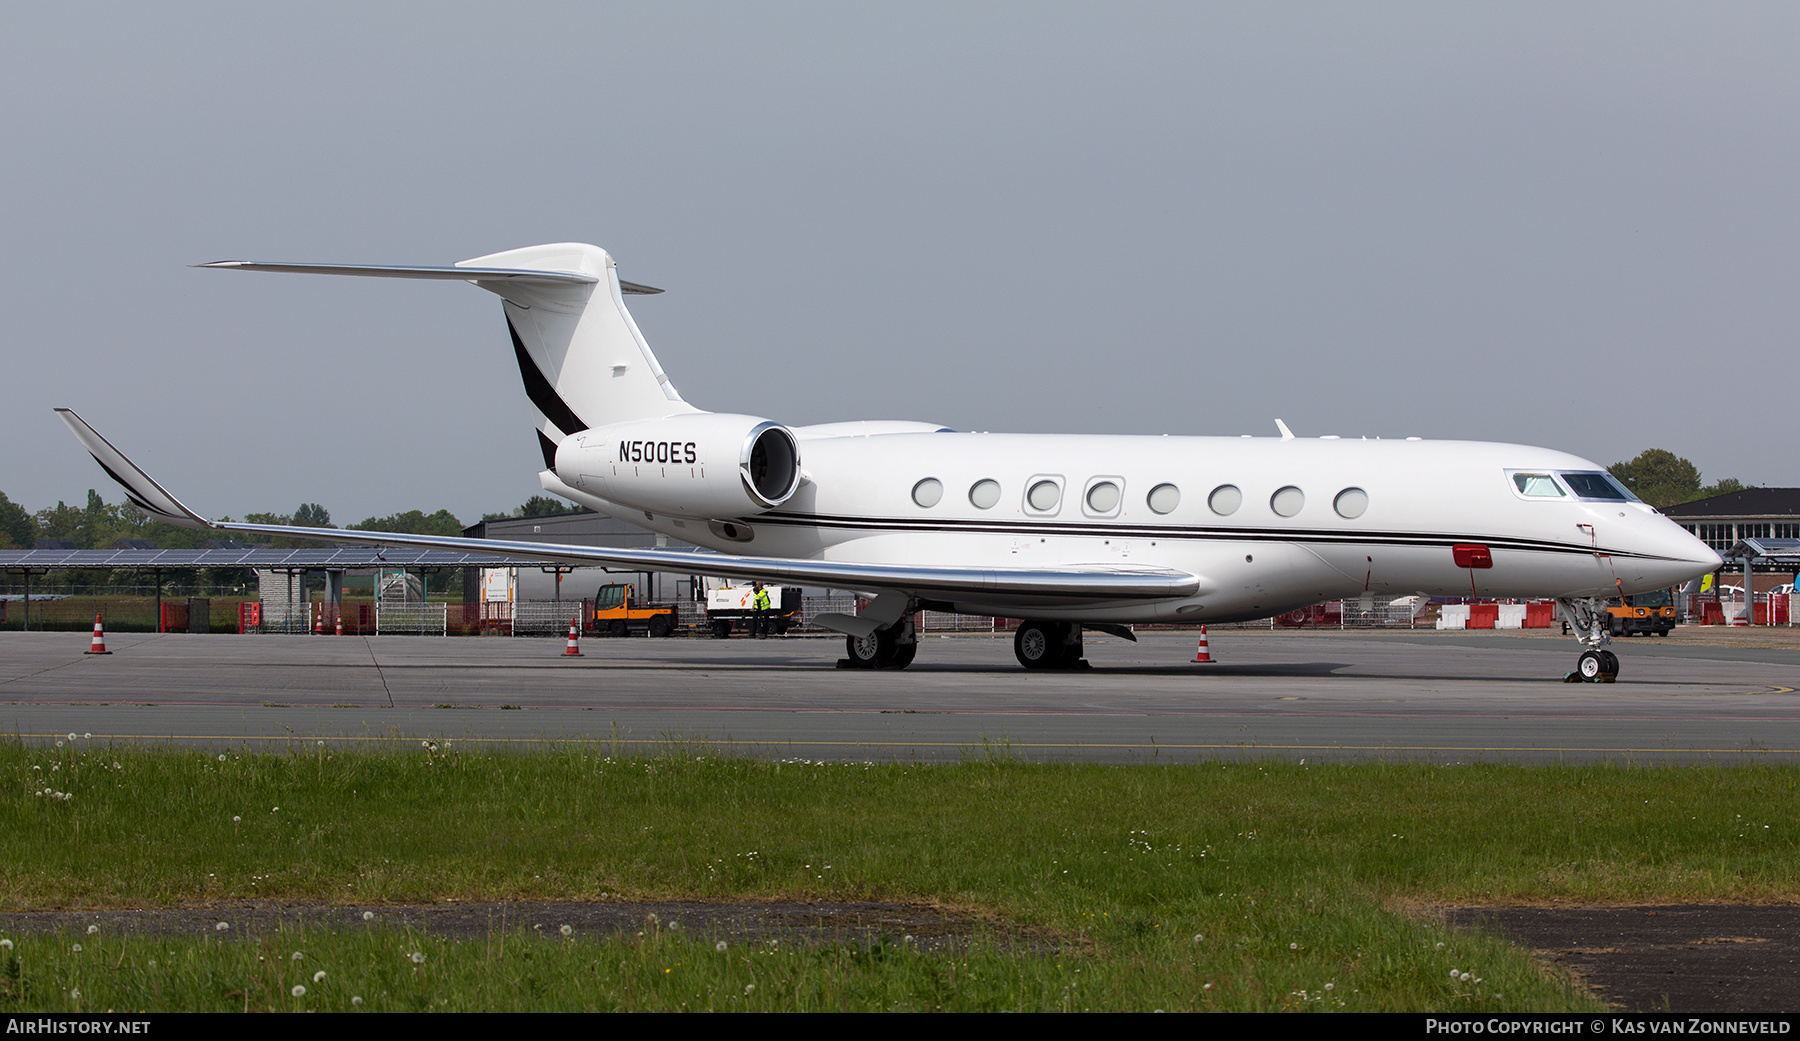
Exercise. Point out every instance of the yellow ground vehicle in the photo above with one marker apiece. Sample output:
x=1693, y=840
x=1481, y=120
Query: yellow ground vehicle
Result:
x=617, y=614
x=1642, y=613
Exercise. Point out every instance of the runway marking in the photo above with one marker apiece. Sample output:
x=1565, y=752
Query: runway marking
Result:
x=972, y=744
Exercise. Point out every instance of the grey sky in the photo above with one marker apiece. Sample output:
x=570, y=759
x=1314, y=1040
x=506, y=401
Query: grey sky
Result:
x=1557, y=224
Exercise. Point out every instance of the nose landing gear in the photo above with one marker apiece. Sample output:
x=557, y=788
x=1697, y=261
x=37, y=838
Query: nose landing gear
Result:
x=1588, y=622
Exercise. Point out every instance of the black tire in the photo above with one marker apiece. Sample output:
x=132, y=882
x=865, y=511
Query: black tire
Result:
x=872, y=651
x=617, y=627
x=721, y=629
x=1609, y=663
x=1038, y=645
x=903, y=655
x=1589, y=666
x=661, y=625
x=780, y=626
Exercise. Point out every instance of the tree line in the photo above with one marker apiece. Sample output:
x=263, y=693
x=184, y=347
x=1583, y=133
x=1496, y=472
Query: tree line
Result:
x=1662, y=478
x=100, y=524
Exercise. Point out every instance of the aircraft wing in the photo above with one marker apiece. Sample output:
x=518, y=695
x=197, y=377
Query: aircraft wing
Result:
x=1075, y=583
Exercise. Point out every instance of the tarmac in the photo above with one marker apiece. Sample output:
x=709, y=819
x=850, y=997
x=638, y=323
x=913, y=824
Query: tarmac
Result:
x=1396, y=695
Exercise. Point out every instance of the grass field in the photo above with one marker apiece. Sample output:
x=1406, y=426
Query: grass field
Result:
x=1229, y=886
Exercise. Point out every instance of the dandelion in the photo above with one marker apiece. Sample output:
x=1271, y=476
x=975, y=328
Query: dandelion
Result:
x=720, y=946
x=319, y=977
x=1207, y=987
x=299, y=991
x=222, y=926
x=72, y=737
x=357, y=1000
x=567, y=931
x=749, y=987
x=274, y=809
x=87, y=735
x=1330, y=986
x=1293, y=946
x=76, y=948
x=368, y=916
x=59, y=743
x=6, y=945
x=75, y=995
x=1454, y=973
x=418, y=957
x=93, y=929
x=298, y=956
x=235, y=818
x=1464, y=977
x=1199, y=937
x=221, y=757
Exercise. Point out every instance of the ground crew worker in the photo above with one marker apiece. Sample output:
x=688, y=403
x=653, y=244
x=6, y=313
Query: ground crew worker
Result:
x=759, y=625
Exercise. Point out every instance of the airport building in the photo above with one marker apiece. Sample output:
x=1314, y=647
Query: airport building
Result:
x=1723, y=521
x=1753, y=513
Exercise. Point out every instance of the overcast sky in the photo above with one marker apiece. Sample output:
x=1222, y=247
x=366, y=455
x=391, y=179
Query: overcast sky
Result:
x=1571, y=225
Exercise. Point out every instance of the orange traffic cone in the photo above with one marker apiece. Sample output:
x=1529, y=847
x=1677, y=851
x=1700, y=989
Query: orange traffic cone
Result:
x=319, y=622
x=1202, y=656
x=573, y=651
x=99, y=644
x=340, y=622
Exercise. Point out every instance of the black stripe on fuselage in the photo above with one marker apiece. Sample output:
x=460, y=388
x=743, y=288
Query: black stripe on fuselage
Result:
x=1182, y=533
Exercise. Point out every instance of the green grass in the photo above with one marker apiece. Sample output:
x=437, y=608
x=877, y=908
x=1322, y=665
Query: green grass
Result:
x=1295, y=876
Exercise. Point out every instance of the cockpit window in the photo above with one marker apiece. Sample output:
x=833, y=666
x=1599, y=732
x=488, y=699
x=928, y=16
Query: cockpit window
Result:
x=1537, y=485
x=1598, y=486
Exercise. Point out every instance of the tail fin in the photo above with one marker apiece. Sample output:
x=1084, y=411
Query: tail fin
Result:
x=582, y=358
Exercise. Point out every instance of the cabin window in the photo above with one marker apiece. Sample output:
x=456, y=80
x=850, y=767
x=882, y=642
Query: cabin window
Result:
x=1350, y=503
x=984, y=494
x=1225, y=499
x=1164, y=498
x=1103, y=497
x=928, y=492
x=1287, y=501
x=1044, y=495
x=1537, y=486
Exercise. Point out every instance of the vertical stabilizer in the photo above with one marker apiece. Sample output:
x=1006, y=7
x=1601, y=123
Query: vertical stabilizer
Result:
x=582, y=358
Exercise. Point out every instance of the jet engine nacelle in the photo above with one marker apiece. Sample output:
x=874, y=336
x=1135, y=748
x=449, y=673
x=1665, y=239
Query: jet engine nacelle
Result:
x=702, y=465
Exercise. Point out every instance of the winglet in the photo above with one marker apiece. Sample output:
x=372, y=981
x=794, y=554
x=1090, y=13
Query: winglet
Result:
x=1286, y=434
x=139, y=487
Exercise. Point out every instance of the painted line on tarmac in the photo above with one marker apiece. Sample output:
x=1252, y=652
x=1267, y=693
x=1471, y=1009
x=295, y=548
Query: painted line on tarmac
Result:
x=977, y=742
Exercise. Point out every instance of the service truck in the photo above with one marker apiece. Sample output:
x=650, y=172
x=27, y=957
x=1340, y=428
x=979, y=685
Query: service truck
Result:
x=733, y=607
x=618, y=613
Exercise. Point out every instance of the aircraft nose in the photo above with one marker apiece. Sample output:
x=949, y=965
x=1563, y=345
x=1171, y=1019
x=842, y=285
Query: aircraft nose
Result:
x=1693, y=557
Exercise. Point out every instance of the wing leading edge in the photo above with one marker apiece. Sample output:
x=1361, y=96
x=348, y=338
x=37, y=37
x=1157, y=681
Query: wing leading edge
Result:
x=1081, y=583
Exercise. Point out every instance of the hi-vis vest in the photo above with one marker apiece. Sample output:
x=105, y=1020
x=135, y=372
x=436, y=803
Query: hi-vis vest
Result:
x=762, y=599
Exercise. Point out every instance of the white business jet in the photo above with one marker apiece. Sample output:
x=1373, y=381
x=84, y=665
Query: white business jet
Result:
x=1068, y=532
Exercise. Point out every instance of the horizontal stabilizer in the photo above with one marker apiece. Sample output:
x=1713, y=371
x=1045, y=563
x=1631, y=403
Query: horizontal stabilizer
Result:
x=461, y=274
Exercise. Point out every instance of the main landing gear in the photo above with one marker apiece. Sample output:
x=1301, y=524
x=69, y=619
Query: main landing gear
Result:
x=890, y=648
x=1590, y=624
x=1049, y=645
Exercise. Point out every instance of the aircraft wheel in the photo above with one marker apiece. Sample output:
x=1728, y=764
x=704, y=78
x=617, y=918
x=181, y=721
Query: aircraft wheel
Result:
x=903, y=655
x=1038, y=645
x=1609, y=666
x=721, y=629
x=871, y=651
x=616, y=627
x=1590, y=666
x=661, y=625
